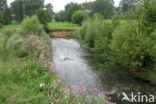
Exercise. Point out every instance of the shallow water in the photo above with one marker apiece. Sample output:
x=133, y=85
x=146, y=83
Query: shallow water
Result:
x=76, y=66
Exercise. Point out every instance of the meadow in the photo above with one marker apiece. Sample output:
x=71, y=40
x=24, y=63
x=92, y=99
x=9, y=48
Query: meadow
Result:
x=51, y=25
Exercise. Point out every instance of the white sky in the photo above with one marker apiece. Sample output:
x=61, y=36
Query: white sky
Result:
x=59, y=4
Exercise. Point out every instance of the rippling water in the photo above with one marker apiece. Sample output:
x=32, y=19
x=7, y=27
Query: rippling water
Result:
x=75, y=68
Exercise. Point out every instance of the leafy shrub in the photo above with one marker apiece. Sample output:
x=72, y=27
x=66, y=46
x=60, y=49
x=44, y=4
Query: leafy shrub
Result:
x=1, y=19
x=98, y=16
x=116, y=20
x=102, y=41
x=17, y=45
x=32, y=26
x=130, y=47
x=59, y=17
x=90, y=29
x=14, y=22
x=43, y=18
x=79, y=16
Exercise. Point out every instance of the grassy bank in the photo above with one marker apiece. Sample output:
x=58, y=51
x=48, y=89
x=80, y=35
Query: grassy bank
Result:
x=27, y=74
x=51, y=25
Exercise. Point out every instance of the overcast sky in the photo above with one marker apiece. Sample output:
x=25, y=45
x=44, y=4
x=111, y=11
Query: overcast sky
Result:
x=59, y=4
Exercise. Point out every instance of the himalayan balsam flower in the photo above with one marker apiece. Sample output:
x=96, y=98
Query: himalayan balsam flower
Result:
x=57, y=100
x=41, y=56
x=42, y=85
x=81, y=88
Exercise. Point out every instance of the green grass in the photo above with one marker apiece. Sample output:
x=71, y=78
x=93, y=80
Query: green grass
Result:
x=62, y=25
x=51, y=25
x=11, y=26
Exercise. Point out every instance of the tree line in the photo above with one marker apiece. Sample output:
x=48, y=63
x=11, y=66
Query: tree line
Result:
x=104, y=7
x=19, y=9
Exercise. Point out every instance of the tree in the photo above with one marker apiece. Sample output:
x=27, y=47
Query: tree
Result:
x=43, y=17
x=70, y=9
x=87, y=6
x=3, y=3
x=60, y=16
x=105, y=7
x=79, y=16
x=7, y=15
x=125, y=5
x=49, y=9
x=1, y=19
x=23, y=8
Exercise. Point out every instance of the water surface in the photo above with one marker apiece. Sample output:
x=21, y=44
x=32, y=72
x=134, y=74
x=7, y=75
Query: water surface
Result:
x=76, y=66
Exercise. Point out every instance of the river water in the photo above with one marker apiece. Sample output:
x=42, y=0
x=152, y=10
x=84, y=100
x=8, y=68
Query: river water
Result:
x=76, y=66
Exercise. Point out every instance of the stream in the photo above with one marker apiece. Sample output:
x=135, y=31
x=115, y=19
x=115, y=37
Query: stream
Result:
x=76, y=66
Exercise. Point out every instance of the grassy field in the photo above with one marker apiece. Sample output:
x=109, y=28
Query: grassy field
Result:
x=62, y=25
x=51, y=25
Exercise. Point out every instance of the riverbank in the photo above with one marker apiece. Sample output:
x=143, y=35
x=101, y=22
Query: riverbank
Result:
x=30, y=77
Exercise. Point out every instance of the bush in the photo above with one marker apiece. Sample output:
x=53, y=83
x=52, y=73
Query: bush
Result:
x=98, y=16
x=102, y=41
x=59, y=17
x=1, y=19
x=32, y=26
x=43, y=18
x=90, y=29
x=14, y=22
x=116, y=21
x=79, y=16
x=17, y=45
x=130, y=47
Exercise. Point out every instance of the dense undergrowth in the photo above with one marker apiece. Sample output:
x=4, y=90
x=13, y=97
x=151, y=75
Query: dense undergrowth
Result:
x=128, y=43
x=27, y=74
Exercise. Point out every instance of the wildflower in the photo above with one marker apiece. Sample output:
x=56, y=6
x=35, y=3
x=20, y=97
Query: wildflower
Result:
x=81, y=88
x=57, y=100
x=42, y=85
x=41, y=56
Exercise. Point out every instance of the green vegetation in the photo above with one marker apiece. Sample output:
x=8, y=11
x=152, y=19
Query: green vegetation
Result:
x=62, y=25
x=43, y=18
x=79, y=16
x=51, y=25
x=32, y=26
x=129, y=43
x=27, y=74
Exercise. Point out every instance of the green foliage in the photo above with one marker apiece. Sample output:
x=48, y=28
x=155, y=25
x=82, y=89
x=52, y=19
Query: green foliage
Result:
x=32, y=26
x=17, y=45
x=79, y=16
x=25, y=78
x=7, y=15
x=130, y=47
x=49, y=10
x=60, y=17
x=13, y=22
x=102, y=41
x=1, y=19
x=3, y=4
x=88, y=31
x=22, y=8
x=70, y=9
x=51, y=35
x=98, y=16
x=116, y=20
x=74, y=34
x=105, y=7
x=43, y=18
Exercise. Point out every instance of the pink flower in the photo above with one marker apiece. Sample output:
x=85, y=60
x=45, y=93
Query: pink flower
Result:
x=57, y=100
x=42, y=85
x=81, y=88
x=102, y=93
x=41, y=56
